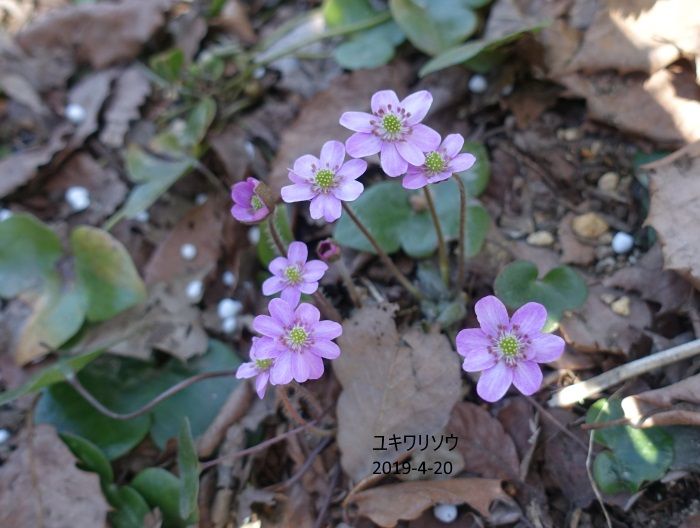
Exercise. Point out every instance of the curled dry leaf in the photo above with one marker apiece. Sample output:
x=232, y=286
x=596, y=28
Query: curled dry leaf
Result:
x=392, y=385
x=40, y=486
x=130, y=92
x=676, y=404
x=387, y=505
x=90, y=94
x=674, y=187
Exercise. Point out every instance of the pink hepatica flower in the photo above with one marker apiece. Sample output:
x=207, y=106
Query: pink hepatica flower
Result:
x=325, y=181
x=258, y=368
x=439, y=164
x=294, y=275
x=248, y=207
x=507, y=350
x=297, y=339
x=393, y=129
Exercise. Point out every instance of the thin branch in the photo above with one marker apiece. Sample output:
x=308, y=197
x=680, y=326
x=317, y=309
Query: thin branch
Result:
x=305, y=467
x=556, y=422
x=589, y=471
x=442, y=248
x=462, y=229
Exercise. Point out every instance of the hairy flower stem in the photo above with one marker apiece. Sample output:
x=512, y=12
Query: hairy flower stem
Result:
x=293, y=414
x=349, y=284
x=462, y=229
x=442, y=248
x=382, y=254
x=276, y=238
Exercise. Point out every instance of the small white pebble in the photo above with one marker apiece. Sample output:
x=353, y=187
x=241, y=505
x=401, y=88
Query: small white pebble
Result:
x=4, y=435
x=194, y=290
x=259, y=73
x=200, y=198
x=188, y=251
x=229, y=324
x=142, y=216
x=254, y=235
x=228, y=278
x=445, y=513
x=478, y=84
x=78, y=198
x=5, y=214
x=249, y=149
x=75, y=113
x=228, y=308
x=622, y=243
x=179, y=126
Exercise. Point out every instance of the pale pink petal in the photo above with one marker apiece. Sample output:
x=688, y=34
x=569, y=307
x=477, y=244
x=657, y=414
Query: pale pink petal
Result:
x=242, y=192
x=424, y=137
x=299, y=179
x=316, y=207
x=261, y=384
x=492, y=315
x=297, y=253
x=247, y=370
x=308, y=287
x=315, y=366
x=332, y=154
x=392, y=162
x=331, y=208
x=545, y=348
x=314, y=270
x=327, y=330
x=306, y=166
x=278, y=265
x=267, y=326
x=300, y=368
x=361, y=144
x=462, y=162
x=494, y=382
x=414, y=179
x=527, y=377
x=478, y=360
x=291, y=294
x=352, y=169
x=417, y=104
x=282, y=312
x=242, y=214
x=297, y=193
x=308, y=314
x=348, y=190
x=281, y=370
x=410, y=152
x=265, y=348
x=272, y=286
x=471, y=339
x=440, y=176
x=383, y=99
x=529, y=318
x=357, y=121
x=452, y=145
x=326, y=349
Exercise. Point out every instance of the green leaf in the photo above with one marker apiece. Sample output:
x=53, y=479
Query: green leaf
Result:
x=476, y=178
x=342, y=12
x=90, y=456
x=188, y=466
x=161, y=489
x=106, y=273
x=471, y=50
x=29, y=251
x=371, y=48
x=636, y=456
x=168, y=65
x=562, y=288
x=436, y=25
x=130, y=508
x=267, y=250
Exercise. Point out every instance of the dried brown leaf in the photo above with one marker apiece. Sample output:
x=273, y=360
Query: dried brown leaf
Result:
x=676, y=404
x=40, y=486
x=130, y=92
x=392, y=384
x=90, y=94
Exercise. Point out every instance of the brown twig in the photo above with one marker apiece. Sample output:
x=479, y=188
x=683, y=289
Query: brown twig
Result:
x=462, y=229
x=555, y=422
x=304, y=468
x=335, y=475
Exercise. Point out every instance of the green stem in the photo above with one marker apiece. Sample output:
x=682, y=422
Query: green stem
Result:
x=277, y=239
x=462, y=229
x=382, y=254
x=442, y=248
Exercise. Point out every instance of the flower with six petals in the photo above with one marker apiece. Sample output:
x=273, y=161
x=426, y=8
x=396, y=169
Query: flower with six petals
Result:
x=293, y=275
x=259, y=368
x=439, y=164
x=248, y=206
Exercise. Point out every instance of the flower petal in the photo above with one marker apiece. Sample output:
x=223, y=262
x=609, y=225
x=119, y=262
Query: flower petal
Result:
x=247, y=370
x=308, y=287
x=529, y=318
x=527, y=377
x=331, y=208
x=242, y=214
x=272, y=286
x=278, y=265
x=267, y=326
x=478, y=359
x=414, y=179
x=332, y=154
x=265, y=348
x=348, y=190
x=314, y=270
x=392, y=162
x=327, y=330
x=306, y=166
x=352, y=169
x=326, y=349
x=462, y=162
x=492, y=315
x=440, y=176
x=424, y=137
x=297, y=193
x=281, y=370
x=242, y=192
x=410, y=152
x=316, y=207
x=307, y=314
x=361, y=144
x=417, y=104
x=291, y=294
x=471, y=339
x=545, y=348
x=261, y=384
x=281, y=311
x=494, y=382
x=357, y=121
x=452, y=145
x=300, y=368
x=383, y=99
x=315, y=366
x=297, y=253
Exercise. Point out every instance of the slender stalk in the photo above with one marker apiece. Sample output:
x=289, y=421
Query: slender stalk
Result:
x=462, y=229
x=276, y=238
x=349, y=284
x=442, y=248
x=382, y=254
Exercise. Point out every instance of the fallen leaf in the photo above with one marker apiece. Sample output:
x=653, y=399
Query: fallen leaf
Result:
x=387, y=505
x=233, y=17
x=90, y=94
x=676, y=404
x=21, y=90
x=486, y=448
x=130, y=92
x=40, y=486
x=675, y=215
x=318, y=120
x=229, y=146
x=392, y=385
x=518, y=419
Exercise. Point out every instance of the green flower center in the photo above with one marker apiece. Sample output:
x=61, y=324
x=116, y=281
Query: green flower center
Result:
x=391, y=124
x=263, y=364
x=509, y=346
x=434, y=162
x=256, y=202
x=293, y=274
x=324, y=179
x=297, y=337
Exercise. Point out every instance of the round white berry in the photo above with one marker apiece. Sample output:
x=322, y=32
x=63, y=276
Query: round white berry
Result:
x=194, y=290
x=446, y=513
x=78, y=198
x=478, y=84
x=229, y=324
x=622, y=243
x=142, y=216
x=228, y=278
x=75, y=113
x=5, y=214
x=188, y=251
x=200, y=198
x=228, y=308
x=254, y=235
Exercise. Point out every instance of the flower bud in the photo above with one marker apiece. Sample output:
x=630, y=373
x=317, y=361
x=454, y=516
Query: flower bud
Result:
x=328, y=250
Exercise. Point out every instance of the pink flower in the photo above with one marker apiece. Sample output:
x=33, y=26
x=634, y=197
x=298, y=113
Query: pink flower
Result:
x=248, y=207
x=260, y=367
x=325, y=181
x=393, y=129
x=439, y=164
x=297, y=339
x=294, y=275
x=507, y=350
